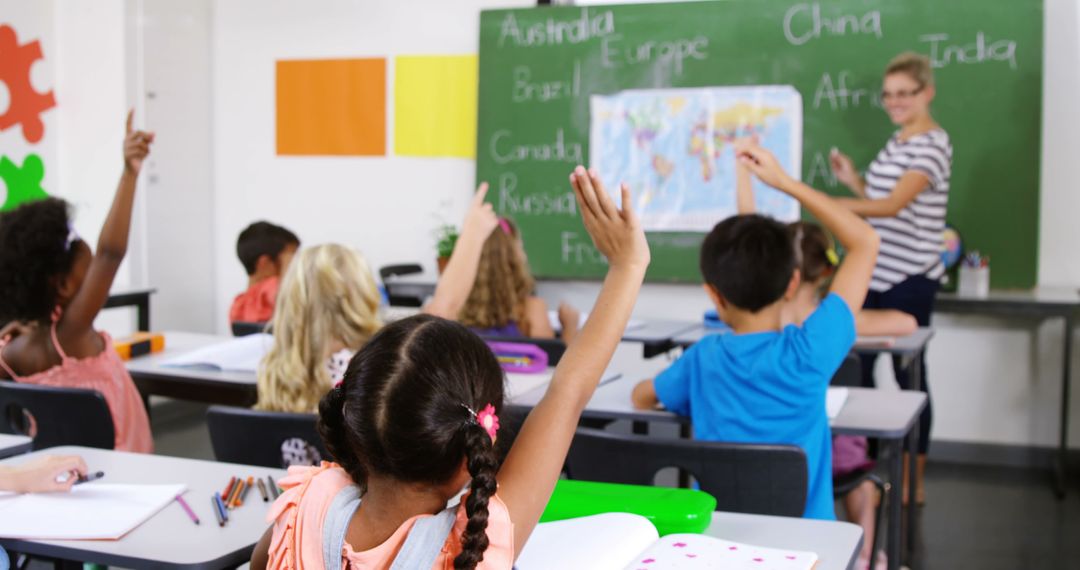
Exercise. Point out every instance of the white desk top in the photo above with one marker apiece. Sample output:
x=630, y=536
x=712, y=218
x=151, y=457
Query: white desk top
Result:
x=837, y=544
x=1038, y=295
x=169, y=537
x=653, y=330
x=14, y=444
x=904, y=345
x=177, y=343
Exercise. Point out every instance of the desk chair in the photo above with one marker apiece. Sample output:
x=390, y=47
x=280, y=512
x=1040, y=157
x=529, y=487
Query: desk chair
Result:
x=268, y=439
x=243, y=328
x=744, y=478
x=850, y=375
x=55, y=416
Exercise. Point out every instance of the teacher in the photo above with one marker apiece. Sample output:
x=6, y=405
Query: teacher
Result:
x=904, y=196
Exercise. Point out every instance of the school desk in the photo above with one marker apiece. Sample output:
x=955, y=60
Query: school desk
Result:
x=14, y=445
x=890, y=416
x=138, y=298
x=210, y=386
x=837, y=544
x=656, y=335
x=169, y=539
x=1040, y=303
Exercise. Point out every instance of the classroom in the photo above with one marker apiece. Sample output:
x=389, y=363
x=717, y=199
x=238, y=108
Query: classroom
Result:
x=539, y=284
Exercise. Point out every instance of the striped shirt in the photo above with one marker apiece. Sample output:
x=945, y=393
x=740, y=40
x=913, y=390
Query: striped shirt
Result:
x=911, y=241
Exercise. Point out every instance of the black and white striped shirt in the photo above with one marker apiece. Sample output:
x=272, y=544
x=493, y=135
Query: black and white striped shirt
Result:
x=911, y=241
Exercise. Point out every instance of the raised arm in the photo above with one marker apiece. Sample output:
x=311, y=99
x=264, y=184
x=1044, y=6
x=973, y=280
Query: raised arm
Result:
x=858, y=238
x=910, y=184
x=844, y=170
x=744, y=189
x=112, y=244
x=528, y=475
x=457, y=279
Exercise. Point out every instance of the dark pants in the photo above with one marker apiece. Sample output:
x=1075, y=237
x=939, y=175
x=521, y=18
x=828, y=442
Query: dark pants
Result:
x=914, y=296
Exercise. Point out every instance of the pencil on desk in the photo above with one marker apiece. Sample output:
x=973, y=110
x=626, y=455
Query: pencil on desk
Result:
x=235, y=502
x=228, y=488
x=219, y=512
x=273, y=487
x=262, y=491
x=243, y=492
x=187, y=509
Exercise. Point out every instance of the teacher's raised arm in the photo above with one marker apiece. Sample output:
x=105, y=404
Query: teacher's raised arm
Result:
x=904, y=196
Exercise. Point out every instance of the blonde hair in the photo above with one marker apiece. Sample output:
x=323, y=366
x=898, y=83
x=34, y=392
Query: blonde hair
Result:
x=914, y=65
x=327, y=296
x=503, y=282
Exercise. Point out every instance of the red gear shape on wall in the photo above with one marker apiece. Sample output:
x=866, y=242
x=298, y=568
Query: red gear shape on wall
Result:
x=26, y=104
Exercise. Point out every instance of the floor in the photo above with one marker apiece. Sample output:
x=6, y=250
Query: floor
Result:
x=986, y=518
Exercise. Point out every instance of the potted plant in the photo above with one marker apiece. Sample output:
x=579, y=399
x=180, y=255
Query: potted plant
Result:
x=446, y=236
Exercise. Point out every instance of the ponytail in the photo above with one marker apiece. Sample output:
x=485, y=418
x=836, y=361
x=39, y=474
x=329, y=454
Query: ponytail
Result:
x=482, y=465
x=334, y=432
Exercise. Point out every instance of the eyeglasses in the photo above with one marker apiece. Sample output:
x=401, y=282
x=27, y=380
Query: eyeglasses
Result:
x=900, y=95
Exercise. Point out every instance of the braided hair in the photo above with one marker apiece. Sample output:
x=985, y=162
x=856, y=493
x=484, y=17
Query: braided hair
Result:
x=405, y=411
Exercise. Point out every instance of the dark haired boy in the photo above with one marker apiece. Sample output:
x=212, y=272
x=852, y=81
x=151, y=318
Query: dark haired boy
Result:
x=265, y=250
x=764, y=383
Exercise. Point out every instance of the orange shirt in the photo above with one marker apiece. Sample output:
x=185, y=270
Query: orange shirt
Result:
x=256, y=305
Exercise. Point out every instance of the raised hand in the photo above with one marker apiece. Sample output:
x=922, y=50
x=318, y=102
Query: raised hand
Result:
x=764, y=165
x=136, y=146
x=616, y=232
x=480, y=220
x=844, y=169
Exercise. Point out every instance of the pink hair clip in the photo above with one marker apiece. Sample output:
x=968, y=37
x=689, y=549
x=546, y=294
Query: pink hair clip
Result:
x=505, y=225
x=486, y=419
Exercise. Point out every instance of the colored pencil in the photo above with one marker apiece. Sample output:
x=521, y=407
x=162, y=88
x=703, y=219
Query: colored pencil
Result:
x=262, y=491
x=187, y=509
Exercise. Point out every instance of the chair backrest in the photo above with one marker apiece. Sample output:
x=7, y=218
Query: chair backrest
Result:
x=388, y=271
x=849, y=374
x=243, y=328
x=555, y=348
x=54, y=416
x=251, y=437
x=744, y=478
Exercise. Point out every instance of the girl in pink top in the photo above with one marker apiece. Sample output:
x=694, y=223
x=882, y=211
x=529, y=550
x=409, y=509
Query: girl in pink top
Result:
x=415, y=421
x=52, y=286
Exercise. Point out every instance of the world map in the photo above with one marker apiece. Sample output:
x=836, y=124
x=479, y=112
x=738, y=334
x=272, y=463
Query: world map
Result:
x=674, y=147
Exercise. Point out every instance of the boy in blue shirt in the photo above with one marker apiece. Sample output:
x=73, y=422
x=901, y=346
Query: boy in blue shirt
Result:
x=766, y=383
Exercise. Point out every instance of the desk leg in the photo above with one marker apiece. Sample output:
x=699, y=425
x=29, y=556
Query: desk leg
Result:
x=913, y=453
x=640, y=428
x=684, y=476
x=142, y=312
x=896, y=479
x=1063, y=450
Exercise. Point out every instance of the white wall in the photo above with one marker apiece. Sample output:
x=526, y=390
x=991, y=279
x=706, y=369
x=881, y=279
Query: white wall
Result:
x=994, y=381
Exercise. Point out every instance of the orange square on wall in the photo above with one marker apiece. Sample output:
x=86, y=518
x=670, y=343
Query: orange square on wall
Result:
x=331, y=107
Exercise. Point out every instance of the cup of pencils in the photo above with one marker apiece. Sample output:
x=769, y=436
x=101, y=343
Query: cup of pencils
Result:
x=974, y=275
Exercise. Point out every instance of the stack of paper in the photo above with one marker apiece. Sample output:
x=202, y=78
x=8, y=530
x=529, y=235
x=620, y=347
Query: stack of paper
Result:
x=97, y=511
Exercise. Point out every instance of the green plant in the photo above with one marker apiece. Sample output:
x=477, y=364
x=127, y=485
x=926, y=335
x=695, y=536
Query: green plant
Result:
x=447, y=236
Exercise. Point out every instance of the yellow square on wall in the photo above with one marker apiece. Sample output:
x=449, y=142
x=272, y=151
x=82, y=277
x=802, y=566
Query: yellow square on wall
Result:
x=331, y=107
x=435, y=105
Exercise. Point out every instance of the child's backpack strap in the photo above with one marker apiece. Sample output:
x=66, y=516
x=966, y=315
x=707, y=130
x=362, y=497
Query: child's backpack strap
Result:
x=421, y=548
x=425, y=541
x=336, y=523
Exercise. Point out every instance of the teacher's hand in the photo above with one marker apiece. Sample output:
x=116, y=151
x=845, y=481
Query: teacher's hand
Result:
x=844, y=169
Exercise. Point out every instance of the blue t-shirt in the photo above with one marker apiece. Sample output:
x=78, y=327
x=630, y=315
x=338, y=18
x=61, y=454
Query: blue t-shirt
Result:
x=767, y=388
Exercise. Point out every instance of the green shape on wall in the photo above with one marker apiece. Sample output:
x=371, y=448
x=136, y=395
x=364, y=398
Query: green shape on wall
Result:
x=23, y=183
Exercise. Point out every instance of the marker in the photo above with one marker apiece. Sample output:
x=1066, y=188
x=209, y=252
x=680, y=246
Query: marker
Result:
x=187, y=509
x=262, y=491
x=89, y=477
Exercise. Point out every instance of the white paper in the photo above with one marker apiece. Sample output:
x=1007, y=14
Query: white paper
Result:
x=609, y=541
x=695, y=551
x=518, y=383
x=556, y=324
x=835, y=398
x=97, y=511
x=237, y=355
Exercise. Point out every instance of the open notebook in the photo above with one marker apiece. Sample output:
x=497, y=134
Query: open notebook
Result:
x=96, y=511
x=620, y=541
x=237, y=355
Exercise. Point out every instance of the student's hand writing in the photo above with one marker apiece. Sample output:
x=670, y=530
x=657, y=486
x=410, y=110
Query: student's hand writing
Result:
x=136, y=146
x=41, y=475
x=843, y=168
x=764, y=165
x=616, y=232
x=480, y=219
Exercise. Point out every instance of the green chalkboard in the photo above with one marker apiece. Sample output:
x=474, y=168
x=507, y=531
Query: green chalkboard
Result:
x=539, y=66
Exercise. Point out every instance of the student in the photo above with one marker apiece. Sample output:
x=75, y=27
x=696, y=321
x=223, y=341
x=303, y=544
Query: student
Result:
x=47, y=474
x=328, y=308
x=767, y=382
x=817, y=260
x=502, y=302
x=265, y=250
x=52, y=282
x=416, y=421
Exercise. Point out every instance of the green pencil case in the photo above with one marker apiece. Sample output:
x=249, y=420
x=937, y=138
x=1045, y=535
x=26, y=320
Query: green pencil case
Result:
x=672, y=511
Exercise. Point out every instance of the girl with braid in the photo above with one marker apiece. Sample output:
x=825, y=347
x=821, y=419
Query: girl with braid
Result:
x=415, y=422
